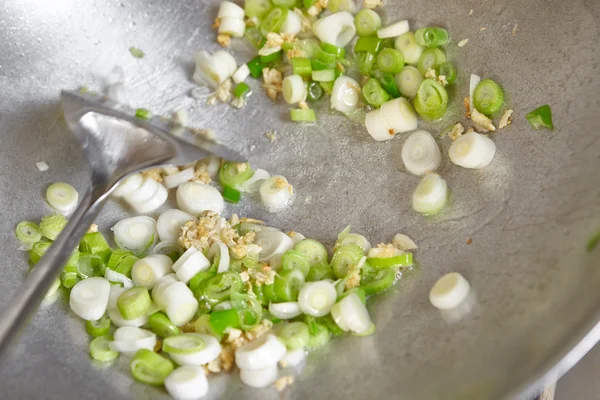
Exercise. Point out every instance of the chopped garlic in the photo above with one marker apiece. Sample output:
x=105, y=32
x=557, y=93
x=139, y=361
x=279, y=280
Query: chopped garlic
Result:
x=180, y=117
x=515, y=29
x=471, y=12
x=482, y=121
x=316, y=8
x=272, y=45
x=271, y=136
x=403, y=242
x=467, y=103
x=42, y=166
x=306, y=23
x=442, y=80
x=384, y=250
x=252, y=22
x=430, y=73
x=222, y=94
x=154, y=173
x=482, y=29
x=233, y=334
x=506, y=119
x=224, y=39
x=92, y=229
x=456, y=131
x=463, y=43
x=372, y=3
x=281, y=383
x=272, y=82
x=353, y=278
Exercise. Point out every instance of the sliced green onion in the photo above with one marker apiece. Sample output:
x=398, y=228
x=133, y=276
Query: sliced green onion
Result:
x=89, y=265
x=309, y=47
x=472, y=150
x=137, y=53
x=541, y=116
x=344, y=258
x=294, y=335
x=378, y=282
x=38, y=250
x=338, y=52
x=308, y=3
x=325, y=75
x=187, y=382
x=143, y=113
x=231, y=195
x=287, y=285
x=126, y=264
x=294, y=260
x=330, y=324
x=431, y=101
x=98, y=328
x=62, y=196
x=301, y=66
x=28, y=232
x=217, y=289
x=89, y=298
x=374, y=93
x=134, y=302
x=284, y=3
x=431, y=37
x=183, y=344
x=345, y=95
x=388, y=83
x=365, y=61
x=271, y=58
x=367, y=22
x=274, y=20
x=447, y=70
x=409, y=48
x=314, y=90
x=360, y=292
x=69, y=276
x=431, y=194
x=488, y=97
x=327, y=59
x=234, y=174
x=393, y=30
x=390, y=60
x=95, y=243
x=254, y=36
x=431, y=58
x=421, y=153
x=318, y=65
x=220, y=321
x=151, y=368
x=117, y=257
x=136, y=234
x=369, y=44
x=257, y=8
x=242, y=90
x=53, y=288
x=249, y=310
x=161, y=325
x=256, y=66
x=100, y=349
x=317, y=298
x=320, y=272
x=303, y=114
x=52, y=225
x=336, y=6
x=319, y=334
x=313, y=251
x=408, y=81
x=293, y=89
x=200, y=277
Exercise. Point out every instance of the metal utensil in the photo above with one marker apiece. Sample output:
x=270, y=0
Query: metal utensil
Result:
x=115, y=143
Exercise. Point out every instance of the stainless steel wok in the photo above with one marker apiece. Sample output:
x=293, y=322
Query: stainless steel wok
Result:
x=529, y=214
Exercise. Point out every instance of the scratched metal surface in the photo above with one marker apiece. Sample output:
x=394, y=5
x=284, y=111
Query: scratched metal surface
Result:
x=529, y=213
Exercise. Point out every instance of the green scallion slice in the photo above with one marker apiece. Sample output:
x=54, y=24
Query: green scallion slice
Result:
x=346, y=257
x=378, y=282
x=303, y=114
x=28, y=232
x=257, y=8
x=231, y=195
x=431, y=37
x=256, y=66
x=541, y=116
x=100, y=349
x=319, y=334
x=294, y=335
x=220, y=321
x=52, y=225
x=294, y=260
x=488, y=97
x=161, y=325
x=150, y=367
x=183, y=344
x=338, y=52
x=367, y=22
x=287, y=285
x=431, y=101
x=365, y=61
x=314, y=90
x=234, y=174
x=430, y=58
x=89, y=265
x=301, y=66
x=37, y=252
x=242, y=90
x=137, y=53
x=374, y=93
x=95, y=243
x=274, y=20
x=98, y=328
x=369, y=44
x=402, y=260
x=134, y=302
x=271, y=58
x=390, y=60
x=320, y=272
x=313, y=251
x=143, y=113
x=447, y=70
x=284, y=3
x=325, y=75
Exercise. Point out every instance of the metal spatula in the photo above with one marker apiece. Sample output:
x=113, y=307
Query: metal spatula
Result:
x=115, y=143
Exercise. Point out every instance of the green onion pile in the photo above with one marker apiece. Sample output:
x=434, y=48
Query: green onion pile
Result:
x=192, y=292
